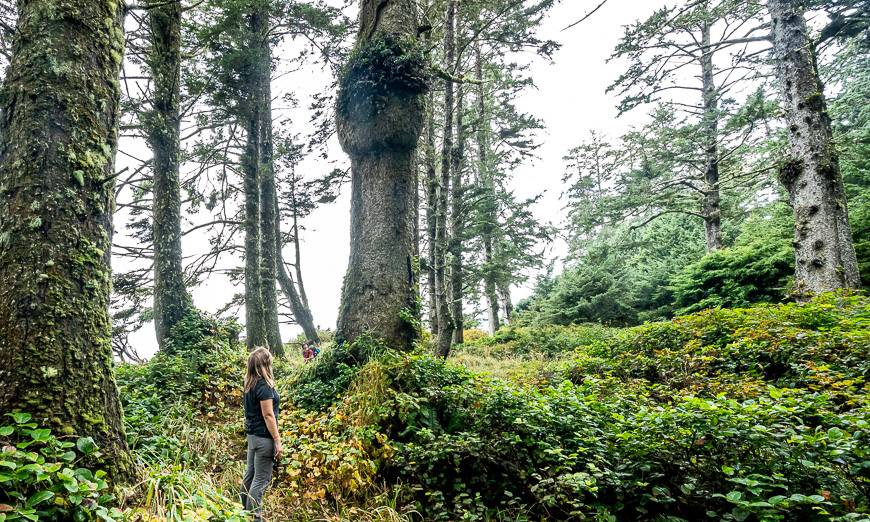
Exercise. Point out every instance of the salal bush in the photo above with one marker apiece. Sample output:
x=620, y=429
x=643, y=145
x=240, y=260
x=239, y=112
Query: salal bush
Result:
x=43, y=477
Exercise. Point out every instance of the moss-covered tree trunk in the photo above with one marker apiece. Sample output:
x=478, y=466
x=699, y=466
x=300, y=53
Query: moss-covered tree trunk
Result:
x=379, y=121
x=269, y=201
x=710, y=127
x=58, y=136
x=457, y=220
x=162, y=127
x=824, y=252
x=255, y=325
x=445, y=319
x=488, y=204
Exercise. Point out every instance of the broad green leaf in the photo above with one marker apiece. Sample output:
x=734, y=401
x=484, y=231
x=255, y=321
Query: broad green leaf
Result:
x=40, y=497
x=19, y=418
x=86, y=445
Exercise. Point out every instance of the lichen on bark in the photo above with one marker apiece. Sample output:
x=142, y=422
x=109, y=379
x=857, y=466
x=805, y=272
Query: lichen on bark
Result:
x=58, y=136
x=162, y=125
x=824, y=250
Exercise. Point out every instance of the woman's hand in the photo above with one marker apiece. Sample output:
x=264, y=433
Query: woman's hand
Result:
x=277, y=448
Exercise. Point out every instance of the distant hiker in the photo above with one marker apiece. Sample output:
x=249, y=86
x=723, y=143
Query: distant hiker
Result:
x=307, y=352
x=261, y=425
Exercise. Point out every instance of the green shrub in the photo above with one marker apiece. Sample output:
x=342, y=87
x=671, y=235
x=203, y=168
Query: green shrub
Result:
x=758, y=268
x=821, y=346
x=42, y=477
x=201, y=363
x=548, y=341
x=463, y=446
x=321, y=381
x=747, y=414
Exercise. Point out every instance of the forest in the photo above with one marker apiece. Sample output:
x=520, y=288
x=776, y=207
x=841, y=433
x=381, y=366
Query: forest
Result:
x=666, y=320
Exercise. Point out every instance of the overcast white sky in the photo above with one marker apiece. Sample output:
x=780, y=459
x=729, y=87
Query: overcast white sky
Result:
x=570, y=99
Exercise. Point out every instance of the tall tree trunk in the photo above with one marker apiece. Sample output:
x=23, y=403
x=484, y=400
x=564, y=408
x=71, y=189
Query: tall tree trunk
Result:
x=301, y=312
x=268, y=198
x=431, y=214
x=58, y=137
x=255, y=325
x=457, y=220
x=824, y=251
x=487, y=183
x=380, y=131
x=431, y=187
x=445, y=320
x=163, y=126
x=710, y=122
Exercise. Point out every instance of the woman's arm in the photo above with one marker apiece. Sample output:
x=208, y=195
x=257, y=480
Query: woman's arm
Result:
x=271, y=424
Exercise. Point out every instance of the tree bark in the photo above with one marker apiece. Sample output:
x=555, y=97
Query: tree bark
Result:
x=300, y=309
x=824, y=252
x=485, y=179
x=379, y=295
x=268, y=199
x=445, y=319
x=163, y=126
x=297, y=252
x=255, y=325
x=504, y=291
x=58, y=137
x=710, y=124
x=457, y=221
x=431, y=215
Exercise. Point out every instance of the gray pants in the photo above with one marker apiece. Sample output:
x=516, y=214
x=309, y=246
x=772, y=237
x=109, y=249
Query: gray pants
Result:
x=261, y=454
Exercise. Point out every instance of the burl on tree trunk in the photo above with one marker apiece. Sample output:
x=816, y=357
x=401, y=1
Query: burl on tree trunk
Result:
x=58, y=136
x=379, y=120
x=824, y=252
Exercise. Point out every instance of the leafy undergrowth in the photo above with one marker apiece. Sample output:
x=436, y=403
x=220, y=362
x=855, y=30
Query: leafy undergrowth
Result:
x=745, y=414
x=755, y=414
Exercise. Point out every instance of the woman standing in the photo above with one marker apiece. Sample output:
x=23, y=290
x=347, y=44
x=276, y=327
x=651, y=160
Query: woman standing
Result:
x=261, y=425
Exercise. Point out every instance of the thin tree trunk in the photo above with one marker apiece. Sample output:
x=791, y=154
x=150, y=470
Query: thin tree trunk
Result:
x=162, y=126
x=416, y=248
x=254, y=324
x=58, y=138
x=379, y=295
x=457, y=220
x=298, y=257
x=710, y=122
x=485, y=179
x=301, y=311
x=445, y=320
x=824, y=252
x=505, y=294
x=268, y=201
x=431, y=214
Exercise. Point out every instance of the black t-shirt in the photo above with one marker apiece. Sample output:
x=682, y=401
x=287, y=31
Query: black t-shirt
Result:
x=255, y=424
